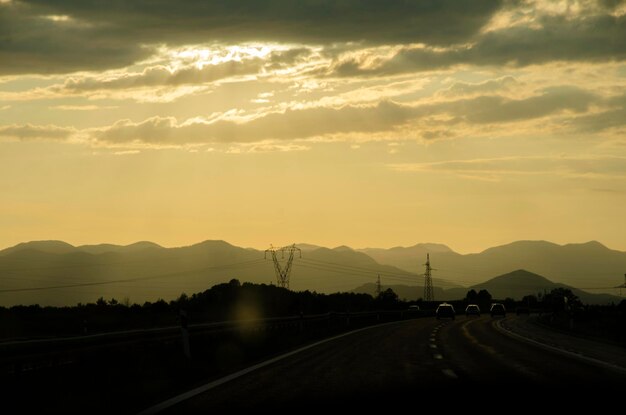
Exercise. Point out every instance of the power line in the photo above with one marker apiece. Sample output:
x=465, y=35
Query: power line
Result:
x=171, y=274
x=370, y=270
x=352, y=273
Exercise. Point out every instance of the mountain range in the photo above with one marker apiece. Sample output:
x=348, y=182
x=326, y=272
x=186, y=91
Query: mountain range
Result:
x=589, y=264
x=515, y=284
x=57, y=273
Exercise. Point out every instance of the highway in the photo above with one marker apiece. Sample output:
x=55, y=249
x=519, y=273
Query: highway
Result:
x=421, y=360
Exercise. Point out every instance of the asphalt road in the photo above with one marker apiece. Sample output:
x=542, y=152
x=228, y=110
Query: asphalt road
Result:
x=456, y=364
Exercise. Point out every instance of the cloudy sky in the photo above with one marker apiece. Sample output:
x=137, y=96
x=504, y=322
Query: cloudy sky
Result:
x=366, y=123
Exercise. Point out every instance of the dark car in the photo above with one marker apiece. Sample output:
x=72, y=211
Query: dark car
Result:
x=497, y=309
x=445, y=310
x=472, y=310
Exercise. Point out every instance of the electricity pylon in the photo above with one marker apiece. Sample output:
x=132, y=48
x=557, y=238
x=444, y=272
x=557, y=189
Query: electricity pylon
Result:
x=378, y=287
x=428, y=281
x=282, y=275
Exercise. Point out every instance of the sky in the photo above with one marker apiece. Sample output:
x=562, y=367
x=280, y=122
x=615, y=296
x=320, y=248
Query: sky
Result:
x=472, y=123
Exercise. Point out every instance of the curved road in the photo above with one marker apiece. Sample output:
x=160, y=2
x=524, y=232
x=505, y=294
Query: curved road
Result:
x=455, y=363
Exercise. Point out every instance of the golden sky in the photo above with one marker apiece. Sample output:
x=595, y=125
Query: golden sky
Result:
x=472, y=123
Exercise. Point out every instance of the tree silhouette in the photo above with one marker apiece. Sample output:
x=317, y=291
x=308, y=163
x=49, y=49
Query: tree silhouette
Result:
x=529, y=300
x=561, y=298
x=472, y=296
x=484, y=296
x=388, y=297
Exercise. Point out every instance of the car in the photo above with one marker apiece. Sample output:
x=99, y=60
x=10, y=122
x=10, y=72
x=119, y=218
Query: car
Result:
x=497, y=309
x=472, y=310
x=445, y=310
x=414, y=308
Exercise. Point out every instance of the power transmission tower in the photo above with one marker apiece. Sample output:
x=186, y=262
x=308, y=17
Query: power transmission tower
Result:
x=378, y=288
x=428, y=281
x=282, y=275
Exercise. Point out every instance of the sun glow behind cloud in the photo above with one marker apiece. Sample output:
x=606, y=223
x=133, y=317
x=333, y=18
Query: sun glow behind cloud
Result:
x=201, y=56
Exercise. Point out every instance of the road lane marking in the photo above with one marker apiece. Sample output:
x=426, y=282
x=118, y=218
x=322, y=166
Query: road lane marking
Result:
x=474, y=340
x=575, y=355
x=211, y=385
x=449, y=373
x=438, y=356
x=433, y=346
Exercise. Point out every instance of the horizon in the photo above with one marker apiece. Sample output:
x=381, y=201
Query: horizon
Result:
x=314, y=244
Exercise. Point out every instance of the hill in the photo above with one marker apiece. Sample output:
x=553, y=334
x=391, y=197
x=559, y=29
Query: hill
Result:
x=146, y=272
x=516, y=285
x=520, y=283
x=589, y=264
x=410, y=258
x=51, y=247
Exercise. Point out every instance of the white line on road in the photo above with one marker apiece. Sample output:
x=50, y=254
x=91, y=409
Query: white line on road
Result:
x=438, y=356
x=433, y=346
x=201, y=389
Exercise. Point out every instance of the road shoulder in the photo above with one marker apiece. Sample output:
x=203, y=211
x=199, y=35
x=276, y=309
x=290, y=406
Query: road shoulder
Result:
x=594, y=352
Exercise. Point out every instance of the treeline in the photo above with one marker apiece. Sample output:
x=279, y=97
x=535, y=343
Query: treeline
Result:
x=563, y=310
x=228, y=301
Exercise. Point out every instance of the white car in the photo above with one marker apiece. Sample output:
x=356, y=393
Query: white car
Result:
x=445, y=310
x=472, y=310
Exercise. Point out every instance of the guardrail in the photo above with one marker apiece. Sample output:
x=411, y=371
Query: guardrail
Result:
x=23, y=356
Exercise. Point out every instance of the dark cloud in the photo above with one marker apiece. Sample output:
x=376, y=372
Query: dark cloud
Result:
x=589, y=38
x=493, y=109
x=317, y=21
x=162, y=76
x=291, y=124
x=592, y=38
x=31, y=44
x=611, y=4
x=33, y=132
x=320, y=121
x=605, y=120
x=111, y=33
x=613, y=116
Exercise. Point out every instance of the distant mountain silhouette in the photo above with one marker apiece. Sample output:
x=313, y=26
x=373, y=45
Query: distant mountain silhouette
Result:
x=520, y=283
x=582, y=265
x=51, y=247
x=307, y=247
x=103, y=248
x=411, y=258
x=60, y=247
x=151, y=272
x=145, y=271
